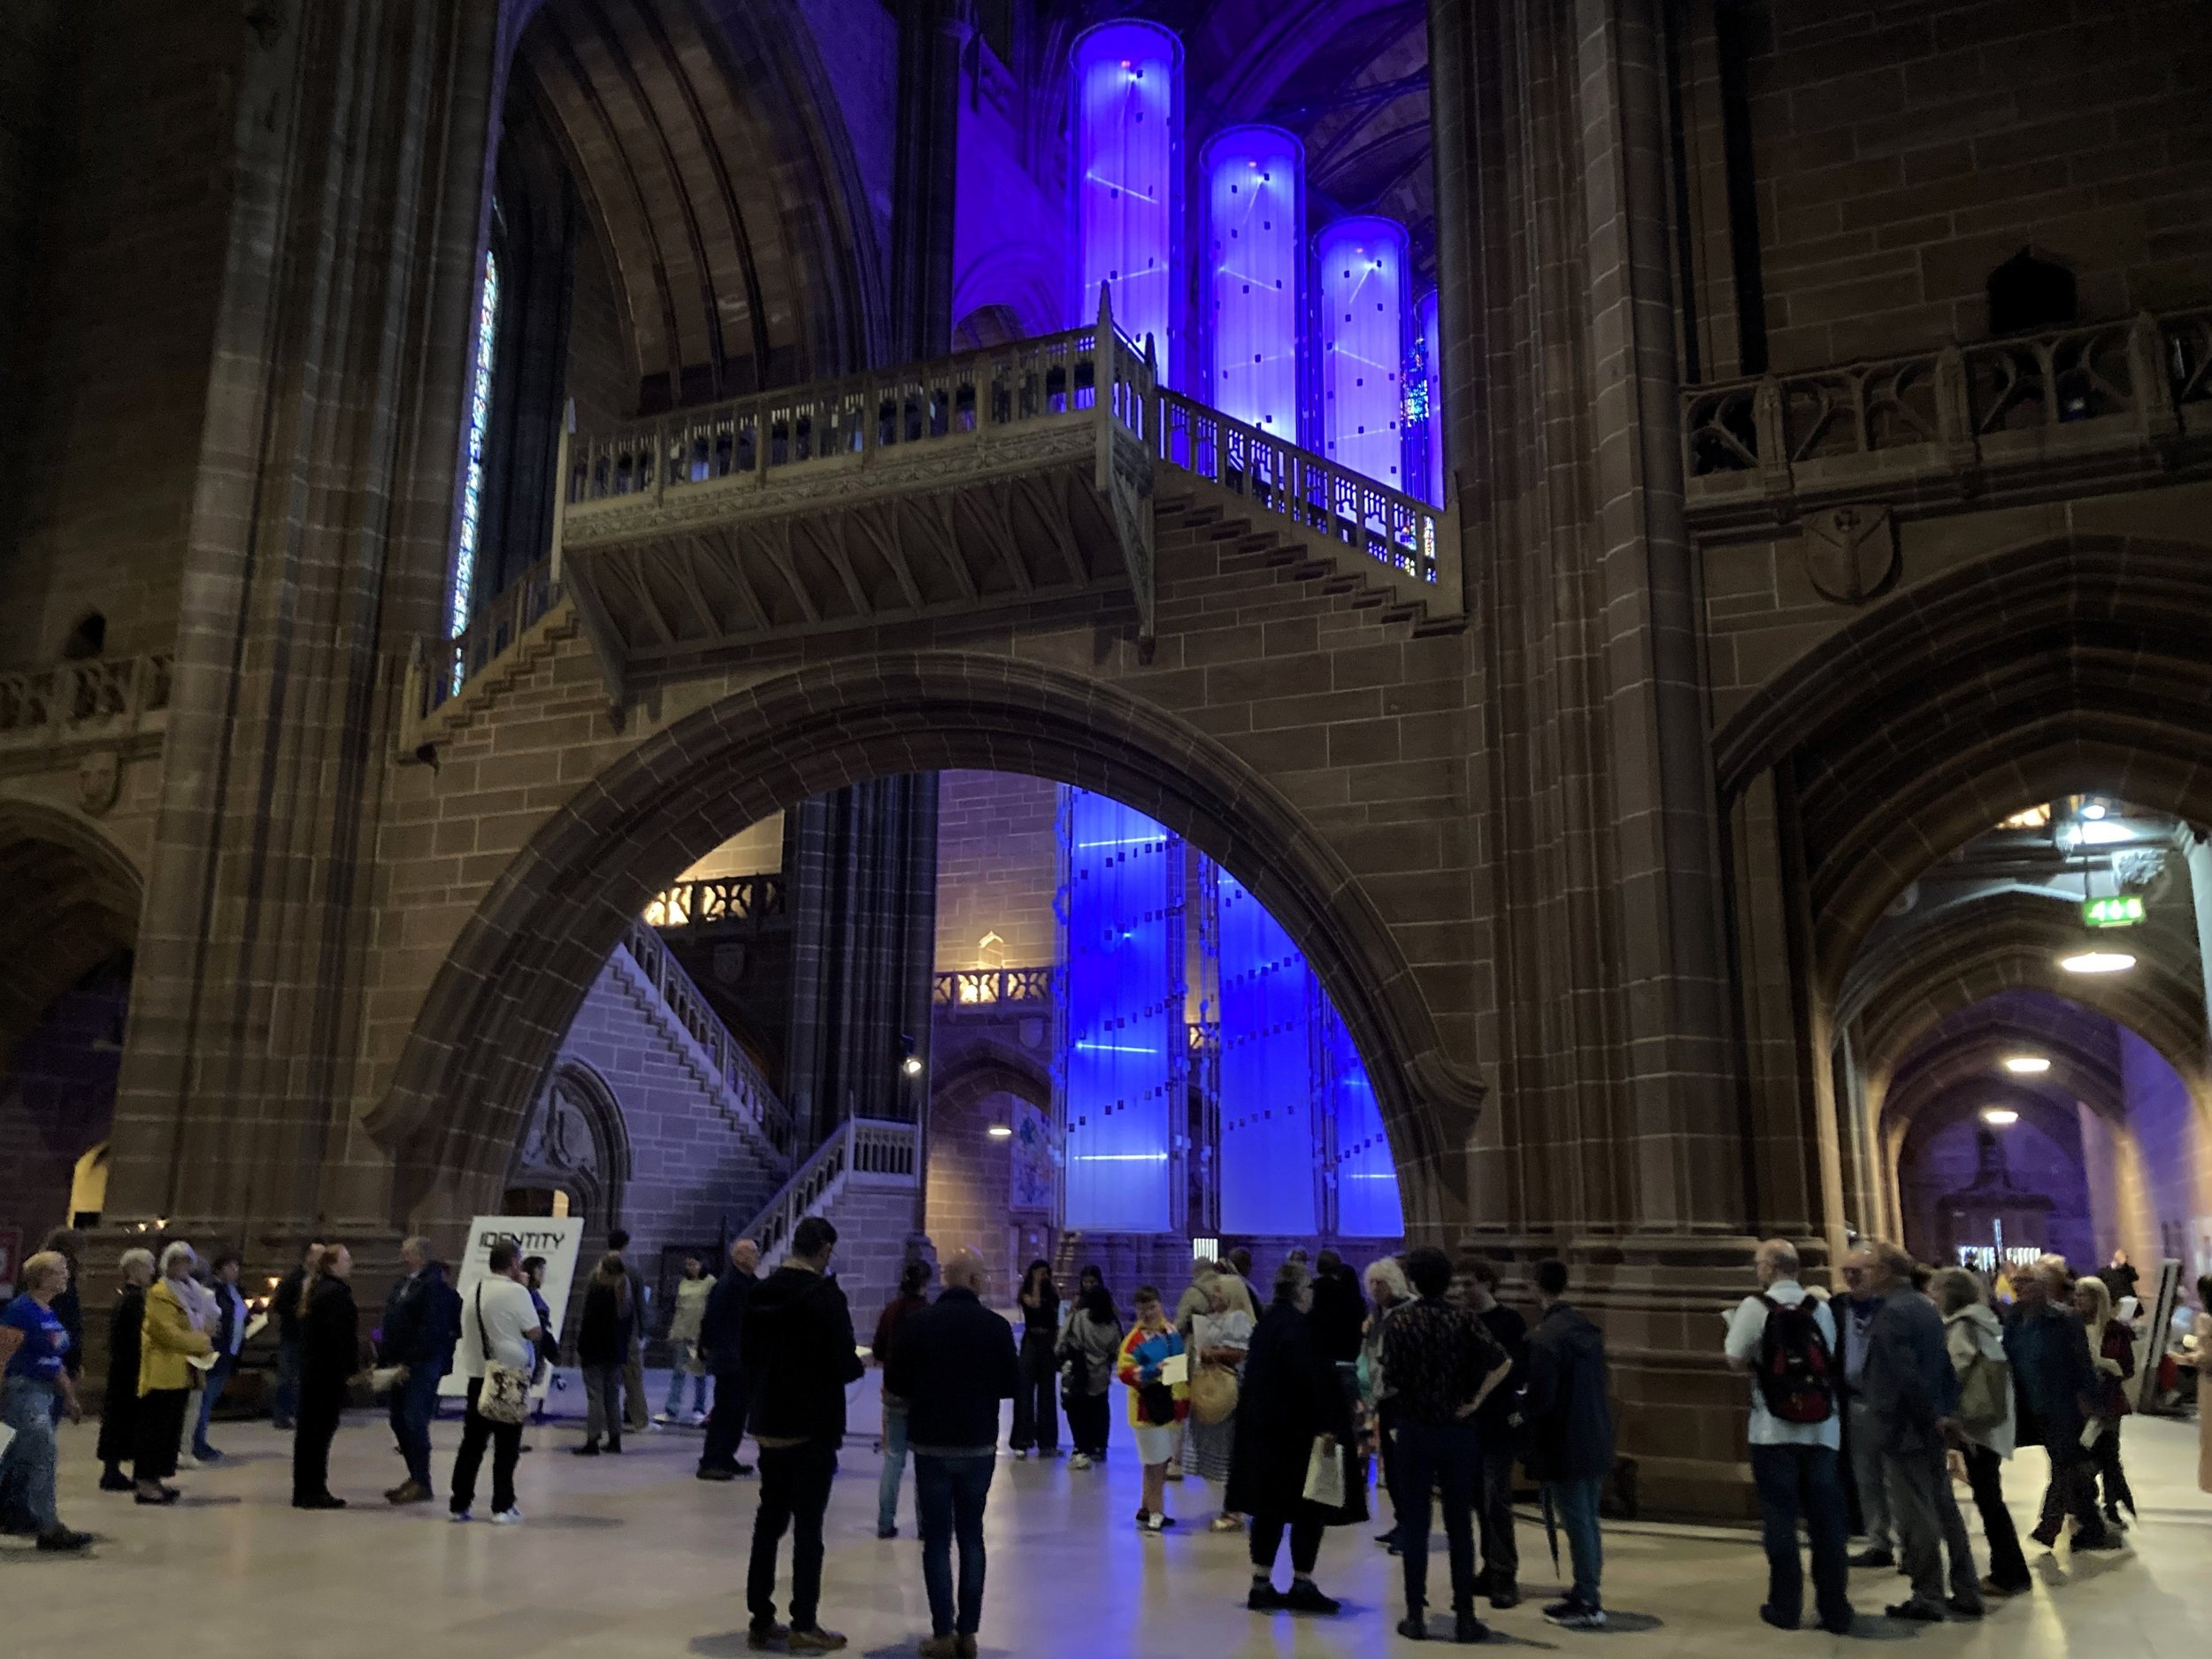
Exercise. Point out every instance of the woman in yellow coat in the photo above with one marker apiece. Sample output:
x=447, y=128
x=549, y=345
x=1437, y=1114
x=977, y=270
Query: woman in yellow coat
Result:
x=167, y=1343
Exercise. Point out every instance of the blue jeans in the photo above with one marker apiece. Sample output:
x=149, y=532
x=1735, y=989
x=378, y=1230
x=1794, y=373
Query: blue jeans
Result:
x=894, y=1466
x=949, y=1498
x=286, y=1405
x=211, y=1391
x=1796, y=1480
x=26, y=1467
x=414, y=1402
x=1575, y=1503
x=676, y=1388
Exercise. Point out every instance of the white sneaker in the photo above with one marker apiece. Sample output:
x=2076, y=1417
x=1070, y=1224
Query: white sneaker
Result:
x=1081, y=1460
x=508, y=1517
x=458, y=1516
x=662, y=1417
x=185, y=1460
x=1021, y=1453
x=695, y=1418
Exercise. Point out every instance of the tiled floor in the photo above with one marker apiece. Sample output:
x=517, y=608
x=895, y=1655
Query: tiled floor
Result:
x=633, y=1556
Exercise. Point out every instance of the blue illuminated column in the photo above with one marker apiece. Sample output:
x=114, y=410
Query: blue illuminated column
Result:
x=1124, y=1051
x=1365, y=1173
x=1270, y=1156
x=1254, y=274
x=1363, y=346
x=1127, y=80
x=1431, y=394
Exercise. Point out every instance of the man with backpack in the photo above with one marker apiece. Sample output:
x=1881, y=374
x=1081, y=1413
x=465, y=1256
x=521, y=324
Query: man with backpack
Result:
x=1784, y=1339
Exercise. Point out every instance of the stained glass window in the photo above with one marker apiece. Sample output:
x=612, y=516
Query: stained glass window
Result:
x=479, y=428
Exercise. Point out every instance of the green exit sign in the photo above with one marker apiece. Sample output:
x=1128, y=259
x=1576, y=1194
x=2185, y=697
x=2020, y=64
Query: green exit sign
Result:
x=2124, y=910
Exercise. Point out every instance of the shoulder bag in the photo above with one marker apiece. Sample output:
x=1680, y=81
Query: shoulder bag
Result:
x=505, y=1395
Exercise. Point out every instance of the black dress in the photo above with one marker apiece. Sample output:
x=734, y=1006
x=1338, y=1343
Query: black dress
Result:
x=1290, y=1397
x=118, y=1413
x=330, y=1353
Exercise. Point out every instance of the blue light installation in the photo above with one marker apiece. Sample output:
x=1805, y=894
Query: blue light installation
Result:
x=1362, y=346
x=1255, y=271
x=1127, y=80
x=1268, y=1169
x=1431, y=366
x=1363, y=1173
x=464, y=592
x=1124, y=1051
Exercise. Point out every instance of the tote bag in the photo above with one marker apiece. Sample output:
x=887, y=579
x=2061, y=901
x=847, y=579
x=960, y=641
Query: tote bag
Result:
x=1324, y=1473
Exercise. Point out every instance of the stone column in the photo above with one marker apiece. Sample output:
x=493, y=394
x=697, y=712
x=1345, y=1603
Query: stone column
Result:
x=933, y=34
x=862, y=869
x=317, y=548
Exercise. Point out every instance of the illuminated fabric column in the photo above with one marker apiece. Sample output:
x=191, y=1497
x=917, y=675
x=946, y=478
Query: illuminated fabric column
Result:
x=1122, y=1048
x=1255, y=267
x=1362, y=346
x=1128, y=92
x=1432, y=393
x=1366, y=1175
x=1270, y=1146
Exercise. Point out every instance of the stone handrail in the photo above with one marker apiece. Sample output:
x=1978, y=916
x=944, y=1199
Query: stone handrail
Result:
x=718, y=901
x=756, y=1099
x=865, y=1150
x=447, y=665
x=94, y=697
x=1959, y=409
x=993, y=987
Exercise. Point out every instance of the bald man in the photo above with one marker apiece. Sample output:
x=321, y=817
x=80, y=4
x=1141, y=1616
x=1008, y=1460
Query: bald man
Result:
x=954, y=1363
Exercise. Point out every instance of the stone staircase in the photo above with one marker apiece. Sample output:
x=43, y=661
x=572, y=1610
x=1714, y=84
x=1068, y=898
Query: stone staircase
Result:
x=866, y=1179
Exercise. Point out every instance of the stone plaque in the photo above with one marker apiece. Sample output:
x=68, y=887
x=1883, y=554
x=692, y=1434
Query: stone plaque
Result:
x=1851, y=553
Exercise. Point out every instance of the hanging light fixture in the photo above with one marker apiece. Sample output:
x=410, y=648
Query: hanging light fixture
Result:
x=1001, y=1131
x=2000, y=1117
x=2097, y=962
x=2026, y=1064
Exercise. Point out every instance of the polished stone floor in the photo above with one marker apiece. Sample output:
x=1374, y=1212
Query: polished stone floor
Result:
x=633, y=1556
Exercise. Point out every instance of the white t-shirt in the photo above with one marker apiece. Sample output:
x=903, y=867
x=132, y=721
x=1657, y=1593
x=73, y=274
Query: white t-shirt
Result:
x=1746, y=1327
x=508, y=1312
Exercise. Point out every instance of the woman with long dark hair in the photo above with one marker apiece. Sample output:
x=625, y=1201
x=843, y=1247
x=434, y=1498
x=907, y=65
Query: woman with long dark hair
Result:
x=330, y=1358
x=1036, y=1421
x=1088, y=1349
x=910, y=1300
x=602, y=1348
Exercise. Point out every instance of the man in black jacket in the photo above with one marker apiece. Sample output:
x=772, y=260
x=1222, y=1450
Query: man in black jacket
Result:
x=1569, y=1418
x=2054, y=1381
x=954, y=1363
x=284, y=1303
x=414, y=1339
x=721, y=1348
x=799, y=1334
x=1339, y=1312
x=1498, y=1428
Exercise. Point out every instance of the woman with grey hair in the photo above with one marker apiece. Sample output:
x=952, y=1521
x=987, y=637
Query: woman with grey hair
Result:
x=167, y=1345
x=1219, y=1335
x=119, y=1413
x=1976, y=1344
x=1388, y=1291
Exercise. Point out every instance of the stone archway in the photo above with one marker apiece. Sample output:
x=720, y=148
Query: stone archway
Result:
x=517, y=971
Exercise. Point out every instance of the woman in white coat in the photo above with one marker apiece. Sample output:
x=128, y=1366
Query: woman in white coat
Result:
x=1975, y=1343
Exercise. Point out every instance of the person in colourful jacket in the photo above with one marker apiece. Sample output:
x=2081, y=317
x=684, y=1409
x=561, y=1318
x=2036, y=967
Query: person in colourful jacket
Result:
x=1158, y=1401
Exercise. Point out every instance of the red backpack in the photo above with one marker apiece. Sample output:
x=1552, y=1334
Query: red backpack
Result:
x=1797, y=1374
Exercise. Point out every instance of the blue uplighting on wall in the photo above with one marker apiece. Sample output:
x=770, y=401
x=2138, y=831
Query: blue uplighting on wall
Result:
x=1127, y=80
x=1363, y=312
x=1124, y=1056
x=1268, y=1169
x=1432, y=365
x=1255, y=181
x=1365, y=1173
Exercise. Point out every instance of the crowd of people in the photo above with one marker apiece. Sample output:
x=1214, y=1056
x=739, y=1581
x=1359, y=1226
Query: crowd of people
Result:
x=1865, y=1408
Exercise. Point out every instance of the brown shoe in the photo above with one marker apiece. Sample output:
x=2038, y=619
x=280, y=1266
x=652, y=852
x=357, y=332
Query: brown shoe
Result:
x=940, y=1648
x=408, y=1492
x=816, y=1640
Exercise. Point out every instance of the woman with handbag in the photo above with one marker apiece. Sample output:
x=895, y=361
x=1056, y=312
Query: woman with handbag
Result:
x=1294, y=1467
x=1088, y=1349
x=499, y=1331
x=1220, y=1337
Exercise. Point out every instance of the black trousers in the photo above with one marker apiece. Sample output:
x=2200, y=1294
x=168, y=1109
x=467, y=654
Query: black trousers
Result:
x=1036, y=1411
x=1984, y=1477
x=1090, y=1421
x=504, y=1439
x=794, y=1491
x=2073, y=1487
x=1432, y=1456
x=1267, y=1539
x=1494, y=1515
x=312, y=1431
x=725, y=1423
x=159, y=1427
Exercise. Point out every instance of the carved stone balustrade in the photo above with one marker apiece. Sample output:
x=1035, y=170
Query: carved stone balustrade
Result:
x=105, y=703
x=2104, y=406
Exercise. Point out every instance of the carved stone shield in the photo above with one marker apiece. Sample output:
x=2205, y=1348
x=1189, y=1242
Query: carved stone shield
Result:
x=99, y=781
x=1851, y=553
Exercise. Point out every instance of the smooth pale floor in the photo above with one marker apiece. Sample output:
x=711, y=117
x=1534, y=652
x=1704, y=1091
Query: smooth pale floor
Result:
x=631, y=1556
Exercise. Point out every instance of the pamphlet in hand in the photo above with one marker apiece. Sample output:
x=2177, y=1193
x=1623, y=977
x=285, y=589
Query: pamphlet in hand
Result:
x=1175, y=1369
